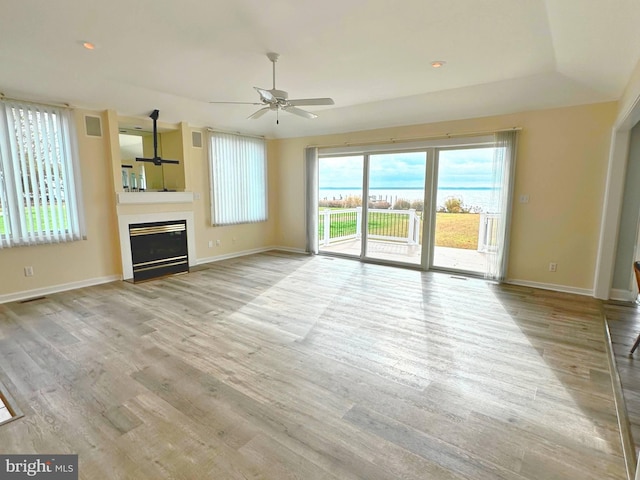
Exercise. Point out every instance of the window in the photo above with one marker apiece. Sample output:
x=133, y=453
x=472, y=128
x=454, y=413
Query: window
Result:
x=39, y=175
x=238, y=179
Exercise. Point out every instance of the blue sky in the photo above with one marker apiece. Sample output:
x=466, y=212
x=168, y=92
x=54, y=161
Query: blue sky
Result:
x=465, y=168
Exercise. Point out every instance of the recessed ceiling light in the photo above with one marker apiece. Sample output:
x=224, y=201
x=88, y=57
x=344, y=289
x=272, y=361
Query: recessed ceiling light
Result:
x=88, y=45
x=438, y=63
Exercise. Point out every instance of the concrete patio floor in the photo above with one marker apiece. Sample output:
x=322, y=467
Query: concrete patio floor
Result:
x=443, y=257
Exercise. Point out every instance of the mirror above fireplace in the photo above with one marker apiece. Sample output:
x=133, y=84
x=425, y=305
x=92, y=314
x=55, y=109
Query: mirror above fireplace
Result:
x=136, y=140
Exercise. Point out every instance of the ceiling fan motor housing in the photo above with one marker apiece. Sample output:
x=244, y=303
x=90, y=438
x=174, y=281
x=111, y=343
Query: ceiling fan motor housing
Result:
x=279, y=94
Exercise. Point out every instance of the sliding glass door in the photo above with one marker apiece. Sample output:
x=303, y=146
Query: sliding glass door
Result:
x=445, y=206
x=371, y=206
x=465, y=209
x=340, y=204
x=396, y=192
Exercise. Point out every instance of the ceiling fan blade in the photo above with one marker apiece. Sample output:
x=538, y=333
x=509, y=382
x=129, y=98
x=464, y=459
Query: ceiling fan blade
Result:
x=259, y=113
x=311, y=101
x=265, y=95
x=299, y=112
x=238, y=103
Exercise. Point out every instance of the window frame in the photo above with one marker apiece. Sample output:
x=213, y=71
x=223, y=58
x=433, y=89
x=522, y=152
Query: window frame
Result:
x=39, y=175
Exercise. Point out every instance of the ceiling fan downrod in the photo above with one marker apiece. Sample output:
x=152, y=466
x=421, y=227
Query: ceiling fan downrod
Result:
x=274, y=58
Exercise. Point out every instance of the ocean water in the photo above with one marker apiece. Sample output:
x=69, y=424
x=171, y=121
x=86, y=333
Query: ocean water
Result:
x=481, y=199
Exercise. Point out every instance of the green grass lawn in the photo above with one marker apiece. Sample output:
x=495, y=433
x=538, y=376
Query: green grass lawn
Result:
x=33, y=219
x=455, y=230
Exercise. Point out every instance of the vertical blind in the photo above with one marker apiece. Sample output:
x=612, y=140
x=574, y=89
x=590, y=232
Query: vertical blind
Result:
x=39, y=175
x=238, y=179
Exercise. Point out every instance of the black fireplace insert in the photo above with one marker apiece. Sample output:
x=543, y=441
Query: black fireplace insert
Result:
x=158, y=249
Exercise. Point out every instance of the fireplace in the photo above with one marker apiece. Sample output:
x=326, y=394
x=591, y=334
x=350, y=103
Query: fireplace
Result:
x=126, y=220
x=158, y=249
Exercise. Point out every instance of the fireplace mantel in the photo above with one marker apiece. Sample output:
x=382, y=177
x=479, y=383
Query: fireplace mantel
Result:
x=142, y=198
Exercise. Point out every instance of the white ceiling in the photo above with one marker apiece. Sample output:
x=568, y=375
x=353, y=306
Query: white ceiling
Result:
x=371, y=56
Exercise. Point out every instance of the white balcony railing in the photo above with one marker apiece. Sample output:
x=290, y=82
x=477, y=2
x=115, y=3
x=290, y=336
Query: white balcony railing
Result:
x=399, y=225
x=488, y=232
x=393, y=225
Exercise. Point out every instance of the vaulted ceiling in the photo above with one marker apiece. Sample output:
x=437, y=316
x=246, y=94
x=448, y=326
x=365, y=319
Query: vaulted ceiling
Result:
x=373, y=57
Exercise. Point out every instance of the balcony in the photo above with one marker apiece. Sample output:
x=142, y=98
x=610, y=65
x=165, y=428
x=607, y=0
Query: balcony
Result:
x=396, y=235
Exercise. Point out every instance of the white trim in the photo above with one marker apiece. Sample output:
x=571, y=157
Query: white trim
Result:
x=142, y=198
x=63, y=287
x=393, y=146
x=628, y=116
x=612, y=206
x=226, y=256
x=125, y=244
x=291, y=250
x=551, y=286
x=622, y=295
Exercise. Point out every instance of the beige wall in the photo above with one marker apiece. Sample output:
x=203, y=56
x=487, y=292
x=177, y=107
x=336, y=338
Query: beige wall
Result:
x=562, y=161
x=98, y=258
x=94, y=258
x=233, y=238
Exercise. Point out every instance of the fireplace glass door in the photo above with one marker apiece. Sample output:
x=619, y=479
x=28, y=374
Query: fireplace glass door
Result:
x=158, y=249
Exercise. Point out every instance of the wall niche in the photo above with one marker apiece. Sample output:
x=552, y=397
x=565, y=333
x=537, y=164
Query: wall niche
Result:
x=135, y=138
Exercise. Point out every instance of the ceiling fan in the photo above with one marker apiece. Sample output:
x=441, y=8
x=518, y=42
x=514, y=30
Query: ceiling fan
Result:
x=279, y=99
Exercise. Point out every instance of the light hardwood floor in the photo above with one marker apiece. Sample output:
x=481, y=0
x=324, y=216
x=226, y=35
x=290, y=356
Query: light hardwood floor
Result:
x=624, y=327
x=283, y=366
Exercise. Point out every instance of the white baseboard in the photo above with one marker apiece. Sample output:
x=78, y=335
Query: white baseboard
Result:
x=63, y=287
x=226, y=256
x=552, y=286
x=622, y=295
x=290, y=250
x=41, y=292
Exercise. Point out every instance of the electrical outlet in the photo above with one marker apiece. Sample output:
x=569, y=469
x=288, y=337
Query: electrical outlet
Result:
x=524, y=198
x=210, y=243
x=553, y=267
x=217, y=243
x=233, y=240
x=28, y=271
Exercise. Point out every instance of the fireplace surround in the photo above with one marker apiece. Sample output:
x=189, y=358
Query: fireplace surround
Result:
x=125, y=222
x=158, y=249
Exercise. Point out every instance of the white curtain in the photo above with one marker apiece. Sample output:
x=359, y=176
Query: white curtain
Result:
x=39, y=175
x=238, y=179
x=311, y=171
x=504, y=165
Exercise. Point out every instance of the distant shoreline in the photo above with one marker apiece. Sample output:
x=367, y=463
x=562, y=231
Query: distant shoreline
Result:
x=482, y=198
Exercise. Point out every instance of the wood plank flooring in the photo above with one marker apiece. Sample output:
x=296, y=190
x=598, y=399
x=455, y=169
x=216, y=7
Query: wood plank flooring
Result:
x=283, y=366
x=624, y=327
